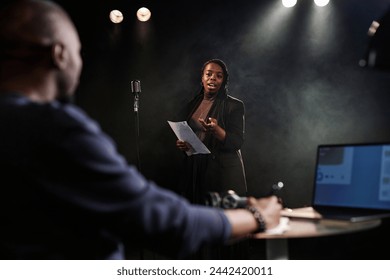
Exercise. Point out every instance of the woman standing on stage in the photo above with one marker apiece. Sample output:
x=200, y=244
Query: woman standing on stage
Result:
x=218, y=119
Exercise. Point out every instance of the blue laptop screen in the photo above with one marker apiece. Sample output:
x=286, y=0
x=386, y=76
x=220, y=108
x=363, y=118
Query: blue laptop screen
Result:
x=355, y=176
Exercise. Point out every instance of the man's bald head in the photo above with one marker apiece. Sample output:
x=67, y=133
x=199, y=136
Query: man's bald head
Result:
x=39, y=35
x=31, y=23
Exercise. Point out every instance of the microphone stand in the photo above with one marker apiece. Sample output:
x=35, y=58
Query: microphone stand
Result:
x=136, y=90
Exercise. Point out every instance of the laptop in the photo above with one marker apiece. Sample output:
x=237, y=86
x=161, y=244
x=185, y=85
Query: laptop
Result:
x=352, y=183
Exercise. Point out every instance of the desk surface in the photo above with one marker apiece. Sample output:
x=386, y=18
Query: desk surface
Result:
x=301, y=228
x=276, y=243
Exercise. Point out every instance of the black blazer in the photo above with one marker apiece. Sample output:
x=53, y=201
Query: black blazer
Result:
x=223, y=169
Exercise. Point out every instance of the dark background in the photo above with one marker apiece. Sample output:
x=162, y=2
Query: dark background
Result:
x=295, y=69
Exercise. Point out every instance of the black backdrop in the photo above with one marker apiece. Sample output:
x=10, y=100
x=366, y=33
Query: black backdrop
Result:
x=296, y=70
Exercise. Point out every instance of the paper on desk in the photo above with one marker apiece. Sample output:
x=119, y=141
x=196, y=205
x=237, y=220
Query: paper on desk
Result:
x=184, y=132
x=280, y=228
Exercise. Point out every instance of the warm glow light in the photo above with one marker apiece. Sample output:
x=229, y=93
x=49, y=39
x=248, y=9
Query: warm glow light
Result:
x=116, y=16
x=373, y=27
x=321, y=3
x=143, y=14
x=289, y=3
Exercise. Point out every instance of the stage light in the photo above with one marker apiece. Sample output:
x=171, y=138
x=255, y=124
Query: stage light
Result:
x=116, y=16
x=373, y=28
x=321, y=3
x=289, y=3
x=377, y=54
x=143, y=14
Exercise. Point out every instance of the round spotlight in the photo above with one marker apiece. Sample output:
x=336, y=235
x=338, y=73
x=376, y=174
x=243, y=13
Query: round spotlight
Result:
x=289, y=3
x=116, y=16
x=143, y=14
x=321, y=3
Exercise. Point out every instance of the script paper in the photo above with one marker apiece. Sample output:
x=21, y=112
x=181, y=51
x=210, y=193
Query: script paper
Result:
x=184, y=132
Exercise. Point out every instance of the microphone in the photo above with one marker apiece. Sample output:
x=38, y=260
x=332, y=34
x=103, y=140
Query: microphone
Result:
x=136, y=87
x=230, y=200
x=136, y=90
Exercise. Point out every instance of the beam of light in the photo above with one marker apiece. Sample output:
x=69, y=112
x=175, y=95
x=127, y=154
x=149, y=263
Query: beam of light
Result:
x=321, y=3
x=143, y=14
x=116, y=16
x=267, y=29
x=321, y=30
x=289, y=3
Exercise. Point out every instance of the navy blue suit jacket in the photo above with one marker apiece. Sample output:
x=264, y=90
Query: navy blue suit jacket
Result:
x=67, y=194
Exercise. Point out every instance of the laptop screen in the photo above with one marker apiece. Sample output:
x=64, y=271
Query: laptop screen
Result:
x=356, y=176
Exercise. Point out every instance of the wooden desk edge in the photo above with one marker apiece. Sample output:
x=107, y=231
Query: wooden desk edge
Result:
x=304, y=228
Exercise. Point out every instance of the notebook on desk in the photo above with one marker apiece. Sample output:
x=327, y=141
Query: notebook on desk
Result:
x=352, y=182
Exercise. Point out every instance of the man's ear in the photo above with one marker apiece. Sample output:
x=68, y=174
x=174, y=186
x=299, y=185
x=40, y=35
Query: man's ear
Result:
x=59, y=55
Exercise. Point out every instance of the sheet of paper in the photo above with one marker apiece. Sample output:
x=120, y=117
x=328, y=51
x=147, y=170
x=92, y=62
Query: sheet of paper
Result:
x=184, y=132
x=281, y=227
